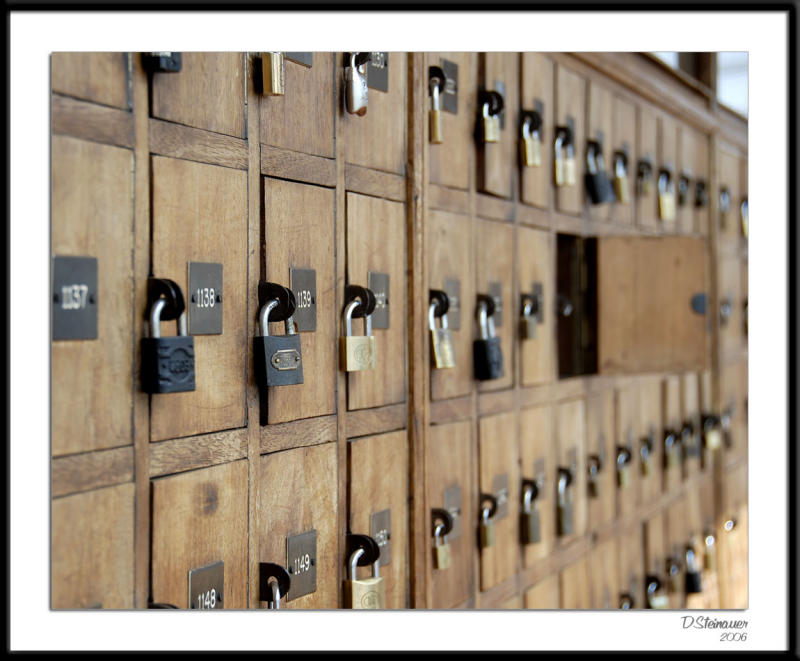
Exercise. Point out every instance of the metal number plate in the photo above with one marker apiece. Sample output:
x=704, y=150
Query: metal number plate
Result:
x=75, y=298
x=378, y=72
x=538, y=106
x=450, y=96
x=301, y=563
x=500, y=491
x=500, y=87
x=206, y=586
x=303, y=282
x=452, y=287
x=306, y=59
x=496, y=292
x=379, y=284
x=452, y=503
x=380, y=529
x=205, y=298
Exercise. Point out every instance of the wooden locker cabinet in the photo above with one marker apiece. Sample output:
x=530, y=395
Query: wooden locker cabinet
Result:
x=299, y=231
x=499, y=72
x=646, y=141
x=92, y=216
x=536, y=94
x=603, y=574
x=208, y=225
x=376, y=243
x=207, y=93
x=537, y=463
x=449, y=457
x=544, y=595
x=207, y=507
x=301, y=120
x=98, y=77
x=576, y=588
x=298, y=495
x=378, y=471
x=449, y=161
x=599, y=127
x=651, y=434
x=624, y=140
x=571, y=455
x=88, y=571
x=570, y=110
x=600, y=448
x=451, y=239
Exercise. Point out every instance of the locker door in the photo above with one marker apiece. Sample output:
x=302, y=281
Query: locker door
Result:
x=626, y=459
x=499, y=72
x=97, y=77
x=684, y=205
x=676, y=535
x=537, y=95
x=624, y=135
x=729, y=180
x=649, y=443
x=603, y=573
x=601, y=456
x=600, y=127
x=570, y=108
x=646, y=198
x=702, y=168
x=691, y=432
x=671, y=448
x=630, y=554
x=667, y=161
x=729, y=283
x=571, y=456
x=655, y=561
x=544, y=595
x=576, y=592
x=537, y=462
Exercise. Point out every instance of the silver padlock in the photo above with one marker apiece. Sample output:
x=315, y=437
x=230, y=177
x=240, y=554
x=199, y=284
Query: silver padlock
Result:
x=355, y=84
x=275, y=604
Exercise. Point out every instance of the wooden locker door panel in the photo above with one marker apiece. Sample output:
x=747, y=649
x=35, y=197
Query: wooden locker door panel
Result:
x=603, y=574
x=299, y=227
x=449, y=161
x=450, y=246
x=515, y=603
x=743, y=294
x=571, y=104
x=97, y=77
x=690, y=415
x=496, y=160
x=626, y=402
x=378, y=139
x=687, y=140
x=376, y=242
x=449, y=464
x=671, y=416
x=667, y=160
x=650, y=431
x=729, y=177
x=732, y=380
x=630, y=553
x=535, y=265
x=647, y=205
x=743, y=188
x=676, y=538
x=544, y=595
x=92, y=216
x=207, y=93
x=495, y=245
x=624, y=136
x=536, y=185
x=575, y=586
x=600, y=127
x=570, y=454
x=619, y=348
x=702, y=169
x=88, y=571
x=655, y=548
x=302, y=119
x=600, y=443
x=729, y=283
x=537, y=462
x=298, y=494
x=497, y=457
x=200, y=215
x=200, y=518
x=378, y=470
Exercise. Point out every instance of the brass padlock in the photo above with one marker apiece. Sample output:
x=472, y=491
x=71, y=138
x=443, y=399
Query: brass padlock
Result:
x=570, y=167
x=364, y=593
x=558, y=156
x=356, y=92
x=491, y=124
x=356, y=353
x=272, y=74
x=594, y=468
x=436, y=83
x=672, y=453
x=530, y=521
x=530, y=140
x=442, y=348
x=644, y=178
x=564, y=502
x=486, y=525
x=724, y=206
x=744, y=215
x=623, y=467
x=655, y=597
x=674, y=574
x=666, y=196
x=441, y=549
x=646, y=453
x=532, y=312
x=621, y=177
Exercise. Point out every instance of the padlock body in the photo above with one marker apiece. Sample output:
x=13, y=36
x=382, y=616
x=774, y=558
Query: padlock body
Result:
x=593, y=488
x=491, y=128
x=710, y=559
x=623, y=477
x=647, y=466
x=527, y=328
x=272, y=74
x=443, y=351
x=531, y=152
x=168, y=364
x=558, y=170
x=356, y=92
x=530, y=526
x=598, y=187
x=488, y=358
x=365, y=593
x=565, y=523
x=713, y=439
x=486, y=534
x=278, y=360
x=693, y=582
x=570, y=171
x=357, y=353
x=673, y=459
x=436, y=126
x=441, y=556
x=659, y=601
x=666, y=205
x=621, y=189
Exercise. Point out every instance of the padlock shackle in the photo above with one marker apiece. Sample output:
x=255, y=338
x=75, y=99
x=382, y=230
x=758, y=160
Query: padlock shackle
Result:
x=530, y=491
x=564, y=480
x=347, y=317
x=488, y=512
x=653, y=585
x=263, y=316
x=275, y=604
x=353, y=562
x=155, y=317
x=624, y=456
x=442, y=517
x=438, y=532
x=595, y=463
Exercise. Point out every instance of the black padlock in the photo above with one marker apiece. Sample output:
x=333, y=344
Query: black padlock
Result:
x=598, y=185
x=694, y=583
x=278, y=358
x=167, y=362
x=163, y=61
x=487, y=354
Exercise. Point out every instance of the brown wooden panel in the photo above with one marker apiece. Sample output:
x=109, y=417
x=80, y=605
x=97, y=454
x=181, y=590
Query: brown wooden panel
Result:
x=675, y=537
x=92, y=215
x=498, y=455
x=449, y=462
x=91, y=470
x=537, y=86
x=496, y=160
x=600, y=442
x=650, y=427
x=729, y=177
x=671, y=416
x=544, y=595
x=690, y=412
x=83, y=119
x=98, y=77
x=570, y=454
x=729, y=288
x=298, y=493
x=200, y=214
x=667, y=158
x=449, y=161
x=378, y=469
x=600, y=127
x=656, y=547
x=450, y=248
x=537, y=462
x=630, y=553
x=570, y=102
x=200, y=518
x=732, y=379
x=576, y=592
x=624, y=136
x=378, y=139
x=208, y=93
x=603, y=574
x=302, y=119
x=298, y=226
x=535, y=265
x=376, y=240
x=617, y=317
x=647, y=205
x=626, y=401
x=88, y=571
x=687, y=141
x=702, y=169
x=495, y=245
x=515, y=603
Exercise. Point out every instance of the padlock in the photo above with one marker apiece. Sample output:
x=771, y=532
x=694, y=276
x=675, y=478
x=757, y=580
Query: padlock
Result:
x=646, y=453
x=684, y=182
x=712, y=435
x=272, y=74
x=689, y=440
x=626, y=601
x=486, y=526
x=674, y=574
x=710, y=551
x=277, y=358
x=274, y=583
x=621, y=177
x=490, y=124
x=356, y=92
x=725, y=420
x=570, y=167
x=623, y=467
x=530, y=144
x=441, y=549
x=162, y=61
x=530, y=524
x=655, y=597
x=693, y=583
x=356, y=353
x=167, y=362
x=744, y=216
x=564, y=501
x=487, y=354
x=558, y=156
x=442, y=348
x=364, y=593
x=594, y=468
x=671, y=449
x=644, y=178
x=666, y=196
x=598, y=187
x=436, y=83
x=700, y=194
x=532, y=305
